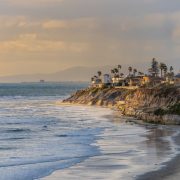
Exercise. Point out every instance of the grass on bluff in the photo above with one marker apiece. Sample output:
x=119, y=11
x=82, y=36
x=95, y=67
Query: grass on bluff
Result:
x=175, y=109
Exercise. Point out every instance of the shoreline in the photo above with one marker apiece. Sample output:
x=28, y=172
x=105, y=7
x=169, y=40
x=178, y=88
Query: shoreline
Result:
x=139, y=118
x=170, y=169
x=140, y=106
x=160, y=105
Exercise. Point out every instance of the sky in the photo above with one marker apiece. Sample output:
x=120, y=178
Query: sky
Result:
x=45, y=36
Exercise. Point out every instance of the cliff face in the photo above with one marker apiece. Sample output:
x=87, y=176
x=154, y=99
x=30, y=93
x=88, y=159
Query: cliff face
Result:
x=152, y=105
x=152, y=99
x=157, y=105
x=97, y=96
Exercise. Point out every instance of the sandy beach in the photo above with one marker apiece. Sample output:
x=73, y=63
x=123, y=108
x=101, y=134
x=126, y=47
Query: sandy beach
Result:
x=170, y=171
x=114, y=166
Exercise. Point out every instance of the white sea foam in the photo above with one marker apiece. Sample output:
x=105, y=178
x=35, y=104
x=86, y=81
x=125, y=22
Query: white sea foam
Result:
x=126, y=151
x=38, y=137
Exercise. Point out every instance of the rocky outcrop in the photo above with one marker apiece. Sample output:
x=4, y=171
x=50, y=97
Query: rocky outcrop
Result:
x=149, y=104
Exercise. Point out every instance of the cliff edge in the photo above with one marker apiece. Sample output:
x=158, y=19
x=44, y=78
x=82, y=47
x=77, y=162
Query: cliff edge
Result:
x=156, y=105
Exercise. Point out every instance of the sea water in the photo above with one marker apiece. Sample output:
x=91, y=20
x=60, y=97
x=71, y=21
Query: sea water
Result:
x=39, y=137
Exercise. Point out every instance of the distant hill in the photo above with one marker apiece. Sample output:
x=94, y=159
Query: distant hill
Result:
x=71, y=74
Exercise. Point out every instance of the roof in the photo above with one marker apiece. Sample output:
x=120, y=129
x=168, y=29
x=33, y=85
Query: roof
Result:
x=178, y=75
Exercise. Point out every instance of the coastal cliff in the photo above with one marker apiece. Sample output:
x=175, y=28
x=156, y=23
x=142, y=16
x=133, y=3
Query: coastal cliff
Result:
x=156, y=105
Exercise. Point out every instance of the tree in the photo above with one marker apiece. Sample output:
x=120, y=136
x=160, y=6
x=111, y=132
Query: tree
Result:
x=134, y=72
x=162, y=68
x=121, y=75
x=112, y=72
x=171, y=69
x=154, y=70
x=99, y=73
x=116, y=71
x=165, y=69
x=140, y=73
x=119, y=68
x=130, y=70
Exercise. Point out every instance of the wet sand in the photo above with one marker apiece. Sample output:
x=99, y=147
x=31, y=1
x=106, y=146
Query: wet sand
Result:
x=170, y=171
x=116, y=167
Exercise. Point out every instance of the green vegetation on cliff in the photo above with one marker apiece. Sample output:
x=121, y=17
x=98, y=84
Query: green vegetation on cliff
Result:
x=175, y=109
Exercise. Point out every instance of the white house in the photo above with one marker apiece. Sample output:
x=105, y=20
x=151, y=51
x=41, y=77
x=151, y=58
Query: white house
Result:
x=118, y=81
x=106, y=79
x=96, y=82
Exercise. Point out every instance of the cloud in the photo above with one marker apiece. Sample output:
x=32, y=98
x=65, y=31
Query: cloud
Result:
x=89, y=23
x=87, y=32
x=31, y=43
x=17, y=22
x=25, y=22
x=53, y=24
x=10, y=21
x=33, y=2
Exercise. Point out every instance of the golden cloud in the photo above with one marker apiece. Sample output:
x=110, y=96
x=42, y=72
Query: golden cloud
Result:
x=10, y=21
x=31, y=43
x=89, y=23
x=24, y=22
x=53, y=24
x=17, y=22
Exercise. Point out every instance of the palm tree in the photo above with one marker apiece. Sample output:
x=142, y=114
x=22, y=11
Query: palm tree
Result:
x=140, y=73
x=134, y=72
x=119, y=68
x=165, y=70
x=99, y=73
x=112, y=72
x=154, y=70
x=130, y=70
x=116, y=71
x=121, y=75
x=161, y=66
x=171, y=69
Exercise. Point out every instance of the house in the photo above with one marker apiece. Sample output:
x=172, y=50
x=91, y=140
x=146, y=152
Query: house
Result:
x=115, y=80
x=96, y=82
x=135, y=81
x=146, y=80
x=177, y=80
x=107, y=79
x=170, y=79
x=151, y=80
x=118, y=81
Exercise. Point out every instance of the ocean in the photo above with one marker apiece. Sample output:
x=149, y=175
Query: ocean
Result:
x=40, y=138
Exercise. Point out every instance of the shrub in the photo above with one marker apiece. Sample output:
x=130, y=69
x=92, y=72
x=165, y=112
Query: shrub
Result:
x=175, y=109
x=160, y=112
